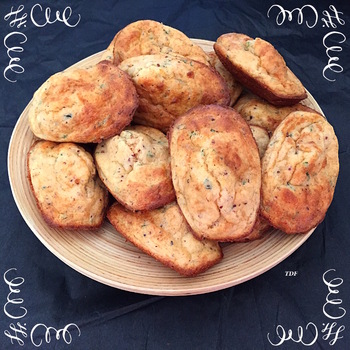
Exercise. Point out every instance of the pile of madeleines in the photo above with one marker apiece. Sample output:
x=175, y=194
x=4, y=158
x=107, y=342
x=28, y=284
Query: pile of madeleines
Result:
x=181, y=149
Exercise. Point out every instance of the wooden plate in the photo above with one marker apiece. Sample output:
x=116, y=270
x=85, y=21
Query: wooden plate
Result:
x=106, y=257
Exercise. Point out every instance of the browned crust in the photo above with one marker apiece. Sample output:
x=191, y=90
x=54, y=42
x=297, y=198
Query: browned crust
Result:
x=48, y=219
x=257, y=86
x=199, y=119
x=127, y=224
x=150, y=198
x=306, y=222
x=259, y=112
x=299, y=173
x=155, y=197
x=99, y=100
x=171, y=85
x=135, y=167
x=145, y=37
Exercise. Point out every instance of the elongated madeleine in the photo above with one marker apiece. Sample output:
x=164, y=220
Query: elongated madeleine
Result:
x=135, y=167
x=216, y=172
x=169, y=86
x=148, y=37
x=65, y=184
x=299, y=172
x=83, y=105
x=258, y=66
x=165, y=235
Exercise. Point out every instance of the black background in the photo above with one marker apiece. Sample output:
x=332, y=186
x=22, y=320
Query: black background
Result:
x=240, y=317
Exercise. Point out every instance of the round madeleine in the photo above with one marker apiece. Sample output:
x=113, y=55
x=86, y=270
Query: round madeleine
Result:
x=169, y=86
x=83, y=105
x=299, y=172
x=135, y=167
x=65, y=184
x=216, y=172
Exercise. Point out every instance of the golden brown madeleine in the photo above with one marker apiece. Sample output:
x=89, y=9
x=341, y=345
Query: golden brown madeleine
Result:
x=135, y=167
x=165, y=235
x=234, y=86
x=169, y=86
x=299, y=172
x=83, y=105
x=257, y=65
x=216, y=172
x=259, y=112
x=148, y=37
x=65, y=184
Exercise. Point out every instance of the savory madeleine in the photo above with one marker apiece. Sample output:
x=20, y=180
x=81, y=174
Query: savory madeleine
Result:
x=299, y=172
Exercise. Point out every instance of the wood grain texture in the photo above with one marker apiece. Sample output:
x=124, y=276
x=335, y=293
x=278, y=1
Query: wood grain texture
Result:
x=106, y=257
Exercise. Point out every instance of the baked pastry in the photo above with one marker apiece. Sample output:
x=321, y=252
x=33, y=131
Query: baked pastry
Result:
x=135, y=167
x=169, y=86
x=148, y=37
x=258, y=66
x=299, y=172
x=65, y=184
x=165, y=235
x=216, y=172
x=234, y=86
x=83, y=105
x=259, y=112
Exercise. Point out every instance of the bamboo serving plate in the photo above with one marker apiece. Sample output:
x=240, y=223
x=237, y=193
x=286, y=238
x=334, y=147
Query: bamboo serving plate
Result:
x=105, y=256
